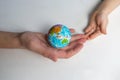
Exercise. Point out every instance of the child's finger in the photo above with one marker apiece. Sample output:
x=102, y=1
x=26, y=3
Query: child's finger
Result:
x=77, y=36
x=95, y=34
x=89, y=33
x=88, y=29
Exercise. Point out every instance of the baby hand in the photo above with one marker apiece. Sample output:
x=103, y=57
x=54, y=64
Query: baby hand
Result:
x=97, y=25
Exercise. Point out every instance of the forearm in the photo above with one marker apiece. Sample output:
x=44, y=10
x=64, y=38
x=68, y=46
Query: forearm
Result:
x=9, y=40
x=107, y=6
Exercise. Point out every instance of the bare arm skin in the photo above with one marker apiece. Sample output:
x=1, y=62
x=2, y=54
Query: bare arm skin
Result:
x=108, y=6
x=37, y=42
x=9, y=40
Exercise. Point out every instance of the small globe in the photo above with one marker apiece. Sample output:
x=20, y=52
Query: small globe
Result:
x=59, y=36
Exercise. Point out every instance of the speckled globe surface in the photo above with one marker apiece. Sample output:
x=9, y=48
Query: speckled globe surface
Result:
x=59, y=36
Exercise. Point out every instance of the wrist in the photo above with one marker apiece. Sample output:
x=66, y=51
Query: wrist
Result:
x=101, y=12
x=10, y=40
x=107, y=6
x=17, y=41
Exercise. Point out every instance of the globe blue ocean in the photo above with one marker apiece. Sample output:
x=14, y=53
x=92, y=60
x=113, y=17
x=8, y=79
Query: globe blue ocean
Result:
x=59, y=36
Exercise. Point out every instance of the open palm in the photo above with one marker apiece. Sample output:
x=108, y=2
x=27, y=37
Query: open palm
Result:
x=37, y=42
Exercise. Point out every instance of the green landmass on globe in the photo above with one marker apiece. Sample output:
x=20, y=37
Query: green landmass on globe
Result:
x=64, y=41
x=59, y=36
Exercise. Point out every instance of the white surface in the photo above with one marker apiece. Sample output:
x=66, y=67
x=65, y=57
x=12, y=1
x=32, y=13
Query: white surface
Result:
x=98, y=60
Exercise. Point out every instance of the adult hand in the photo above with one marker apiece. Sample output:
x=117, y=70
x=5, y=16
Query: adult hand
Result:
x=97, y=25
x=37, y=42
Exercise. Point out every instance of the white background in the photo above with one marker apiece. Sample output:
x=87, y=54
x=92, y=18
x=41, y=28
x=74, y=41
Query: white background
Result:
x=98, y=60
